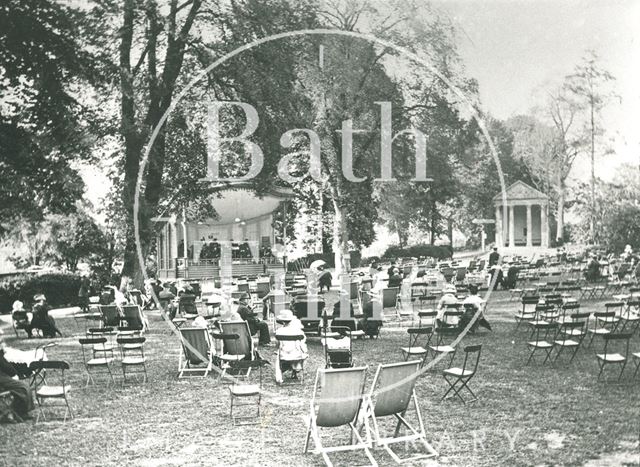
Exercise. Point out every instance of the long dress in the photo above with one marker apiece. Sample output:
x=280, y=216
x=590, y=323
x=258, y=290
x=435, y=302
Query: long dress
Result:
x=22, y=398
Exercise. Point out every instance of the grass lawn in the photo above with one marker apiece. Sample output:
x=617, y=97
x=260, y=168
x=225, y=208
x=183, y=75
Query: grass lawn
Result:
x=525, y=415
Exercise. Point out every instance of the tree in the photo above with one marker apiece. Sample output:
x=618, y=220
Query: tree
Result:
x=550, y=149
x=44, y=68
x=590, y=85
x=75, y=237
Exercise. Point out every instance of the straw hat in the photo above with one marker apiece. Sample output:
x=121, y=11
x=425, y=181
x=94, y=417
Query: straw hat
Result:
x=18, y=306
x=285, y=315
x=39, y=297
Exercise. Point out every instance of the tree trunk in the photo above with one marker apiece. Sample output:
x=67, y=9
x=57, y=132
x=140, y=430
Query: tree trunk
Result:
x=450, y=230
x=402, y=236
x=340, y=241
x=560, y=219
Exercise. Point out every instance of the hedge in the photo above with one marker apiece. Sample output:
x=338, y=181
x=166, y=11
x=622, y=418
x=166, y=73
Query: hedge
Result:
x=418, y=251
x=60, y=289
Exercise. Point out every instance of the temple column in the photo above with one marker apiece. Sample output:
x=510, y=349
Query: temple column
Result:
x=544, y=226
x=529, y=227
x=512, y=227
x=174, y=241
x=499, y=228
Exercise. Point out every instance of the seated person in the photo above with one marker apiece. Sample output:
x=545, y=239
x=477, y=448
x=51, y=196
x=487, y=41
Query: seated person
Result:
x=477, y=304
x=368, y=324
x=21, y=318
x=165, y=297
x=344, y=299
x=41, y=319
x=255, y=325
x=291, y=354
x=395, y=279
x=592, y=272
x=448, y=298
x=325, y=279
x=22, y=398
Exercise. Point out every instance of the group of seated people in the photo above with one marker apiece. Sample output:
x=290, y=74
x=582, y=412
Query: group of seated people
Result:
x=39, y=320
x=213, y=250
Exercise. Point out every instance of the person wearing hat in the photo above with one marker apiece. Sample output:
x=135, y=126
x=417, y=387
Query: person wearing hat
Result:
x=256, y=326
x=448, y=298
x=20, y=317
x=395, y=279
x=291, y=354
x=41, y=319
x=22, y=402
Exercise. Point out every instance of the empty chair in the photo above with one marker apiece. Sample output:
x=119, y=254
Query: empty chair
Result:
x=132, y=356
x=543, y=334
x=196, y=356
x=419, y=340
x=337, y=399
x=570, y=336
x=528, y=311
x=244, y=393
x=392, y=394
x=389, y=298
x=444, y=342
x=604, y=322
x=458, y=377
x=54, y=388
x=241, y=347
x=614, y=352
x=96, y=364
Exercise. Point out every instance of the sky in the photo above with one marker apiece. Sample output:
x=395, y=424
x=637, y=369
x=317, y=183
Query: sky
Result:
x=516, y=49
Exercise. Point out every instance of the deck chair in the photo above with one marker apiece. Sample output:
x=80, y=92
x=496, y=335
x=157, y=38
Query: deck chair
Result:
x=110, y=315
x=543, y=334
x=239, y=346
x=134, y=317
x=337, y=347
x=45, y=391
x=392, y=391
x=416, y=348
x=455, y=375
x=389, y=296
x=196, y=357
x=336, y=402
x=618, y=355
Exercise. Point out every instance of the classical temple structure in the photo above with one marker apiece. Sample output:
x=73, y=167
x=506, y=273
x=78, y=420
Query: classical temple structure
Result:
x=527, y=221
x=190, y=249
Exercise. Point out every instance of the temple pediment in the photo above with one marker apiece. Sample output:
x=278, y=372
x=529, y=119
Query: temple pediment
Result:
x=522, y=192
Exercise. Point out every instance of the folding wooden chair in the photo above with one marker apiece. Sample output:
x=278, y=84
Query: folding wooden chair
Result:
x=604, y=322
x=569, y=336
x=414, y=348
x=614, y=356
x=337, y=399
x=444, y=342
x=543, y=334
x=636, y=360
x=132, y=363
x=630, y=317
x=456, y=375
x=392, y=392
x=528, y=310
x=96, y=365
x=242, y=390
x=44, y=391
x=196, y=356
